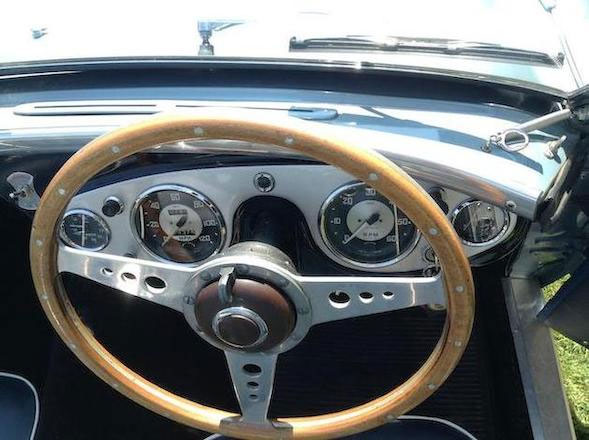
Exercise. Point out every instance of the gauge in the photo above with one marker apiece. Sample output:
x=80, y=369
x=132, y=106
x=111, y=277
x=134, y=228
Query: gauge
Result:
x=178, y=224
x=479, y=223
x=363, y=228
x=83, y=229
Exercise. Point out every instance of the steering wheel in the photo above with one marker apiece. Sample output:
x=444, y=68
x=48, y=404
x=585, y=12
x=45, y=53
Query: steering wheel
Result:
x=249, y=300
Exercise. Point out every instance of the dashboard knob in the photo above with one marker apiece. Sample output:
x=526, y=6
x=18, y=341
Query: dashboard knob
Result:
x=112, y=206
x=264, y=182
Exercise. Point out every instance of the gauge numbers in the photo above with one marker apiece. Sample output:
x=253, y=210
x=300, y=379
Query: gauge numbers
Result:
x=83, y=229
x=479, y=223
x=363, y=228
x=178, y=224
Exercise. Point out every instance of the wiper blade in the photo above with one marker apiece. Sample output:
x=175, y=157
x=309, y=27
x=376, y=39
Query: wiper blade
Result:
x=342, y=43
x=500, y=51
x=428, y=45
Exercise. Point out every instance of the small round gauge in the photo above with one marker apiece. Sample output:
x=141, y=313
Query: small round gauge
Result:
x=83, y=229
x=178, y=224
x=479, y=223
x=363, y=228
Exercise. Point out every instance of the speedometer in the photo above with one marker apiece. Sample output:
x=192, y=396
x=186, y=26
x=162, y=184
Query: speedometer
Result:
x=178, y=224
x=363, y=228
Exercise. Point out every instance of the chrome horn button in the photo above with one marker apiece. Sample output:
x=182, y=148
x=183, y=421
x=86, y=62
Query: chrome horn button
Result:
x=240, y=327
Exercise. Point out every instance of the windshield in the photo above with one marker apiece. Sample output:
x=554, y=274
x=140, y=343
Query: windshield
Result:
x=526, y=42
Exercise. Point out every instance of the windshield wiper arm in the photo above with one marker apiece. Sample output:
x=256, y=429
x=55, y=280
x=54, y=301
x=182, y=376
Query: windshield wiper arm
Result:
x=431, y=45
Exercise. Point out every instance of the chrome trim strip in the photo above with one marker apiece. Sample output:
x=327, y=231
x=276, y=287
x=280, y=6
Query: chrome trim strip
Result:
x=548, y=408
x=37, y=405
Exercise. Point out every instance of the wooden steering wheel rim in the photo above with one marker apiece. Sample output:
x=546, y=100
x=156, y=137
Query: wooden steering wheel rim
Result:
x=318, y=141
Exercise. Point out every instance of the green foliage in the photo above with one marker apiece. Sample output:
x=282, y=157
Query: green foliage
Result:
x=574, y=365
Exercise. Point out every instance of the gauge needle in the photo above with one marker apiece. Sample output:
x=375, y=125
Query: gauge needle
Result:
x=83, y=230
x=179, y=224
x=468, y=225
x=371, y=220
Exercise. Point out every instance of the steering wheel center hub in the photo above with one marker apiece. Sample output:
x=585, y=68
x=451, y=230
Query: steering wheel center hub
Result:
x=248, y=298
x=254, y=316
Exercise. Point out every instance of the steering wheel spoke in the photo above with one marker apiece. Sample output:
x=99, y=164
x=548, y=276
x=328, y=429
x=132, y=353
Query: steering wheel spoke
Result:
x=253, y=381
x=335, y=298
x=161, y=283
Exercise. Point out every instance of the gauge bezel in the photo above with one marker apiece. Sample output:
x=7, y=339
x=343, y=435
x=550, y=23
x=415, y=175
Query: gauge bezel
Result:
x=63, y=236
x=186, y=190
x=343, y=259
x=495, y=239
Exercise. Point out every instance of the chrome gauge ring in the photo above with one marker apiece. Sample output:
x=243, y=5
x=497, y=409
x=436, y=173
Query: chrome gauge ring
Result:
x=479, y=223
x=178, y=224
x=362, y=228
x=83, y=229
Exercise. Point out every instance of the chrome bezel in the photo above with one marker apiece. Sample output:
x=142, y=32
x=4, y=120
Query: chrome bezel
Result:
x=186, y=190
x=244, y=312
x=495, y=239
x=63, y=236
x=337, y=256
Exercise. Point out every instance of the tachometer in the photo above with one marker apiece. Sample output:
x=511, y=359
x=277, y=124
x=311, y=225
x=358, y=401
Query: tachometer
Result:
x=363, y=228
x=178, y=224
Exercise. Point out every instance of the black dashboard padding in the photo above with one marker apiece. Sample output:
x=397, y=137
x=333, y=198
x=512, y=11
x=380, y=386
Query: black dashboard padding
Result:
x=18, y=409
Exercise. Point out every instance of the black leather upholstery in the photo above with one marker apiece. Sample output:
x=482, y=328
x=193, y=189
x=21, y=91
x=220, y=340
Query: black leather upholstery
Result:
x=406, y=428
x=18, y=408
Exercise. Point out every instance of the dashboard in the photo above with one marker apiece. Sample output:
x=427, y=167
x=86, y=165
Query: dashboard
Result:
x=189, y=216
x=435, y=131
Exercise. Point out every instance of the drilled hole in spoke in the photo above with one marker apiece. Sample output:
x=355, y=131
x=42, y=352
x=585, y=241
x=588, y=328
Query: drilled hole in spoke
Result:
x=252, y=369
x=253, y=385
x=128, y=276
x=388, y=295
x=366, y=297
x=155, y=284
x=106, y=271
x=254, y=397
x=339, y=299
